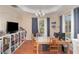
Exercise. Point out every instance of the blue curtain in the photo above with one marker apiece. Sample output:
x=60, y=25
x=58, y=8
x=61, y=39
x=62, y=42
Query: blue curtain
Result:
x=34, y=26
x=48, y=26
x=76, y=22
x=60, y=24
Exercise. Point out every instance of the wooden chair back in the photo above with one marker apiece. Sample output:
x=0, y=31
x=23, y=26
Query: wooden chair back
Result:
x=55, y=46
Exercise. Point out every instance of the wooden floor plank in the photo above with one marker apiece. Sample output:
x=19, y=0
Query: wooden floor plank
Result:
x=28, y=48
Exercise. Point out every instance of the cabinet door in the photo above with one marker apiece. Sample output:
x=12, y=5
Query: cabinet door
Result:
x=0, y=46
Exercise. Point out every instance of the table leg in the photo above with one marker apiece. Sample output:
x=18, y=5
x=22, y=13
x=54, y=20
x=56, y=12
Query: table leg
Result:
x=37, y=48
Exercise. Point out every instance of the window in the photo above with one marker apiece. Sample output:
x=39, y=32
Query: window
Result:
x=68, y=26
x=41, y=27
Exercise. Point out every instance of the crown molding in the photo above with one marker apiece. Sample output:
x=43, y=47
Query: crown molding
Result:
x=33, y=11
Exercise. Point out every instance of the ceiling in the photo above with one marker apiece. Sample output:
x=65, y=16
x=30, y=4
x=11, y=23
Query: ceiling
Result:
x=42, y=7
x=37, y=8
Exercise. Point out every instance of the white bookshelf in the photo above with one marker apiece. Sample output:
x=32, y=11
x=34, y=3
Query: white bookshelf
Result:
x=0, y=45
x=9, y=43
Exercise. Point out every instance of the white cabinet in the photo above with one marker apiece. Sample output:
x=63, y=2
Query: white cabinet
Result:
x=75, y=46
x=10, y=42
x=0, y=45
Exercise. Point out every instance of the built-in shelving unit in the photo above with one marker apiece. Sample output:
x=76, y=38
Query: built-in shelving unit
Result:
x=10, y=42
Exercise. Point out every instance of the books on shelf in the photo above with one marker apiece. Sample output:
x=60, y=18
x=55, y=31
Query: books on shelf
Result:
x=6, y=40
x=0, y=45
x=10, y=42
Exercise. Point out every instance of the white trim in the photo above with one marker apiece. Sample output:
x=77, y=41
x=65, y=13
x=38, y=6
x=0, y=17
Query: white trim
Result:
x=38, y=24
x=46, y=11
x=63, y=24
x=45, y=27
x=72, y=24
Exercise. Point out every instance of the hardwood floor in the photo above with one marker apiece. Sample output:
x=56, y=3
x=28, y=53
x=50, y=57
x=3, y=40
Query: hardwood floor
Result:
x=28, y=48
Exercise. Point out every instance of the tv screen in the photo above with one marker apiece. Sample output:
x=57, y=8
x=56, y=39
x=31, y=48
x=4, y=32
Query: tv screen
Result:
x=12, y=27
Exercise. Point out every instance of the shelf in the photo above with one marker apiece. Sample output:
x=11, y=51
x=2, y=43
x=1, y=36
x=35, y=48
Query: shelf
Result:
x=10, y=42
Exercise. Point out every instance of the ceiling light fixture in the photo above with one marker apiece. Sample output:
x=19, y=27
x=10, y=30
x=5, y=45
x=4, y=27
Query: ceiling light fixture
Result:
x=40, y=13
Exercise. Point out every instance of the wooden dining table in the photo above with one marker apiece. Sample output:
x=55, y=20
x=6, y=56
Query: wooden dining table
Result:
x=49, y=42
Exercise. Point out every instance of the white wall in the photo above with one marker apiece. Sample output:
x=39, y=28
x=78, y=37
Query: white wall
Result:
x=54, y=18
x=26, y=23
x=8, y=13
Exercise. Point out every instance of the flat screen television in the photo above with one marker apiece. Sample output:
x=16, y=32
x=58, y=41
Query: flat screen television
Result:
x=12, y=27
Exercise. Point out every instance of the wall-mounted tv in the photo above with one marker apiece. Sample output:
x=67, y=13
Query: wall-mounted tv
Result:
x=12, y=27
